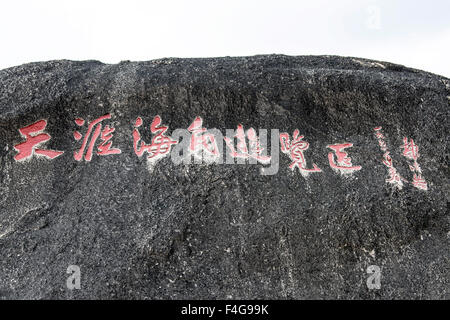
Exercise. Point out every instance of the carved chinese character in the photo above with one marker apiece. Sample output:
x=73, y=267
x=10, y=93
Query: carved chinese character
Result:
x=95, y=131
x=340, y=161
x=411, y=151
x=201, y=141
x=241, y=151
x=394, y=176
x=161, y=143
x=419, y=182
x=295, y=150
x=34, y=137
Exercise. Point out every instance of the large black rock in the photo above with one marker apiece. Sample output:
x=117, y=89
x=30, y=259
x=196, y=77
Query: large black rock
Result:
x=174, y=231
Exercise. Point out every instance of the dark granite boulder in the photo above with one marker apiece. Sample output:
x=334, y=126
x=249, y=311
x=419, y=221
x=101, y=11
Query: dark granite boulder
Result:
x=365, y=190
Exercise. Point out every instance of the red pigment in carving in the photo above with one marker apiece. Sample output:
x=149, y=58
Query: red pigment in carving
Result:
x=200, y=140
x=161, y=143
x=105, y=147
x=295, y=150
x=34, y=137
x=411, y=151
x=241, y=150
x=343, y=162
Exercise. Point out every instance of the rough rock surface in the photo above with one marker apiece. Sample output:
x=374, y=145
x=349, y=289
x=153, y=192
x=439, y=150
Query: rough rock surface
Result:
x=223, y=231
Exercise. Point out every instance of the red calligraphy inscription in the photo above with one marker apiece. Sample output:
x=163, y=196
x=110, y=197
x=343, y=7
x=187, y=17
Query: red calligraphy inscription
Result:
x=161, y=143
x=411, y=151
x=241, y=150
x=295, y=150
x=340, y=160
x=95, y=131
x=34, y=138
x=394, y=176
x=201, y=141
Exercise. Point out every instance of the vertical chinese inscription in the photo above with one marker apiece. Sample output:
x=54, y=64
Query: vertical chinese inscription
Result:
x=411, y=152
x=394, y=176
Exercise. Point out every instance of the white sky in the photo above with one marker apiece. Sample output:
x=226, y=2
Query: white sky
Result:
x=412, y=33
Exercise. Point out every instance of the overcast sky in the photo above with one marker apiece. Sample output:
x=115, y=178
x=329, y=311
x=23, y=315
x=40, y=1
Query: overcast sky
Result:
x=412, y=33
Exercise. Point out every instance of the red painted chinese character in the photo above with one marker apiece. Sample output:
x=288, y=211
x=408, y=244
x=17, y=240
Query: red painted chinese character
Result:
x=378, y=133
x=200, y=140
x=415, y=167
x=395, y=178
x=382, y=144
x=419, y=182
x=295, y=150
x=105, y=147
x=387, y=160
x=161, y=144
x=410, y=149
x=34, y=137
x=241, y=150
x=343, y=163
